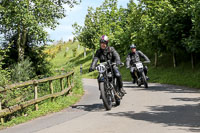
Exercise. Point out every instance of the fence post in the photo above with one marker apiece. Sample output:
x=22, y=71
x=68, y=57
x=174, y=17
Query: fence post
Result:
x=68, y=81
x=51, y=88
x=2, y=119
x=36, y=94
x=61, y=84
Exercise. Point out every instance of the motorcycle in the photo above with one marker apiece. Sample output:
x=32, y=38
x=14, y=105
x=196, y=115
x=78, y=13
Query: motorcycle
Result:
x=108, y=86
x=139, y=73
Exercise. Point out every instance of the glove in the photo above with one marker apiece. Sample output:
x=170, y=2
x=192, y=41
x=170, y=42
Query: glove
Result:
x=91, y=69
x=118, y=63
x=146, y=62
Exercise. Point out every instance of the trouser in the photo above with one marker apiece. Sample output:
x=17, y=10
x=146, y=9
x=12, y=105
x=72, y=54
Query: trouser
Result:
x=118, y=76
x=132, y=71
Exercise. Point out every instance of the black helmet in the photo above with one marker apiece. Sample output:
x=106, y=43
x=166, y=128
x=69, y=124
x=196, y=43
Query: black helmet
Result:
x=104, y=39
x=132, y=46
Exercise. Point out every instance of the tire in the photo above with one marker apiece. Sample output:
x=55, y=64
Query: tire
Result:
x=145, y=80
x=107, y=101
x=138, y=84
x=118, y=101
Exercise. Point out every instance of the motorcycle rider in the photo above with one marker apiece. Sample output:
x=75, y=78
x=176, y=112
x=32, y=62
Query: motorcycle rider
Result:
x=133, y=57
x=108, y=53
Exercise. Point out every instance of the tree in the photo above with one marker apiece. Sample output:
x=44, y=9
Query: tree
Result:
x=192, y=42
x=29, y=18
x=106, y=19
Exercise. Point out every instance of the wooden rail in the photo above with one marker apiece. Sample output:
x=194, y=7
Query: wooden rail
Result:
x=36, y=100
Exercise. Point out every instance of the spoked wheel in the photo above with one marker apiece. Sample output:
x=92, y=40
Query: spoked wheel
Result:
x=145, y=80
x=106, y=97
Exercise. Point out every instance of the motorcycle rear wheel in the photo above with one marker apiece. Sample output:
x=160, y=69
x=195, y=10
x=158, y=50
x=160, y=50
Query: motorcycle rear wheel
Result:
x=117, y=99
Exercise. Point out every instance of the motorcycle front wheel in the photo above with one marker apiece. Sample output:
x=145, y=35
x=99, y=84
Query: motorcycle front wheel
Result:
x=145, y=80
x=106, y=97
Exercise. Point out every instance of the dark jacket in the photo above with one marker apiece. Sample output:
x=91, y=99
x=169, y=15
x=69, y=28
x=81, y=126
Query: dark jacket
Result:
x=135, y=57
x=103, y=55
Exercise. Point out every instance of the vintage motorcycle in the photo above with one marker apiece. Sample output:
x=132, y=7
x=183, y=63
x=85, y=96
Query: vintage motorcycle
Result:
x=139, y=73
x=108, y=85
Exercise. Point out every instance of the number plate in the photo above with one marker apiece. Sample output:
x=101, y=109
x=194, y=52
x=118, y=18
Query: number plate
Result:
x=139, y=65
x=101, y=68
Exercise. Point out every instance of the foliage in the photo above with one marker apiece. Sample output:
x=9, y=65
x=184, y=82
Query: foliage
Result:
x=166, y=26
x=22, y=71
x=25, y=21
x=104, y=20
x=4, y=73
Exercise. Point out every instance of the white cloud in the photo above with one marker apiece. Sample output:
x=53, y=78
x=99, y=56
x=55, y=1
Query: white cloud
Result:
x=75, y=14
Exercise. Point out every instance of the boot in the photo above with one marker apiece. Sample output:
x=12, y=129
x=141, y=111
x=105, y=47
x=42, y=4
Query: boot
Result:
x=134, y=80
x=123, y=91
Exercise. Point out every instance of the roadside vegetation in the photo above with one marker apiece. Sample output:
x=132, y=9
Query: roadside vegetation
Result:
x=60, y=63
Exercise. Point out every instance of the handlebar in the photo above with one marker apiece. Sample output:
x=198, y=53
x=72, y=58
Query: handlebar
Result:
x=112, y=64
x=146, y=62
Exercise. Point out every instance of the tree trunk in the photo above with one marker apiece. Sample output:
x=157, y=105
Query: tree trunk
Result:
x=18, y=44
x=21, y=41
x=174, y=60
x=84, y=52
x=192, y=60
x=156, y=59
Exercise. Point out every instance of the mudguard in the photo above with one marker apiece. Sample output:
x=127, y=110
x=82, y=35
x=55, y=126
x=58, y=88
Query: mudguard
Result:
x=140, y=70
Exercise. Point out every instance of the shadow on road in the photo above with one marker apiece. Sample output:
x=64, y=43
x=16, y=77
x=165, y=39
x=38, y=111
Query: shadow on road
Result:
x=183, y=116
x=164, y=87
x=90, y=108
x=187, y=99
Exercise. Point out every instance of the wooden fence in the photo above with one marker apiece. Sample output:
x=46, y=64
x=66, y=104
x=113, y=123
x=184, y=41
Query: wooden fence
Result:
x=64, y=90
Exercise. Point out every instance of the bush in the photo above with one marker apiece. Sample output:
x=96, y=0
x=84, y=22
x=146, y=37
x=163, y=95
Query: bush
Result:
x=22, y=71
x=5, y=76
x=74, y=50
x=4, y=73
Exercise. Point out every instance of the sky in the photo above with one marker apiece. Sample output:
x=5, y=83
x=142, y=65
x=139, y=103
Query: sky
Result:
x=76, y=14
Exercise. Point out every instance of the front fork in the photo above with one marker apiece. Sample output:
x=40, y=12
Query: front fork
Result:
x=138, y=74
x=108, y=88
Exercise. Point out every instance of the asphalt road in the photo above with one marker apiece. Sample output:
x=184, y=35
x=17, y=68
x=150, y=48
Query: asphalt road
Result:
x=158, y=109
